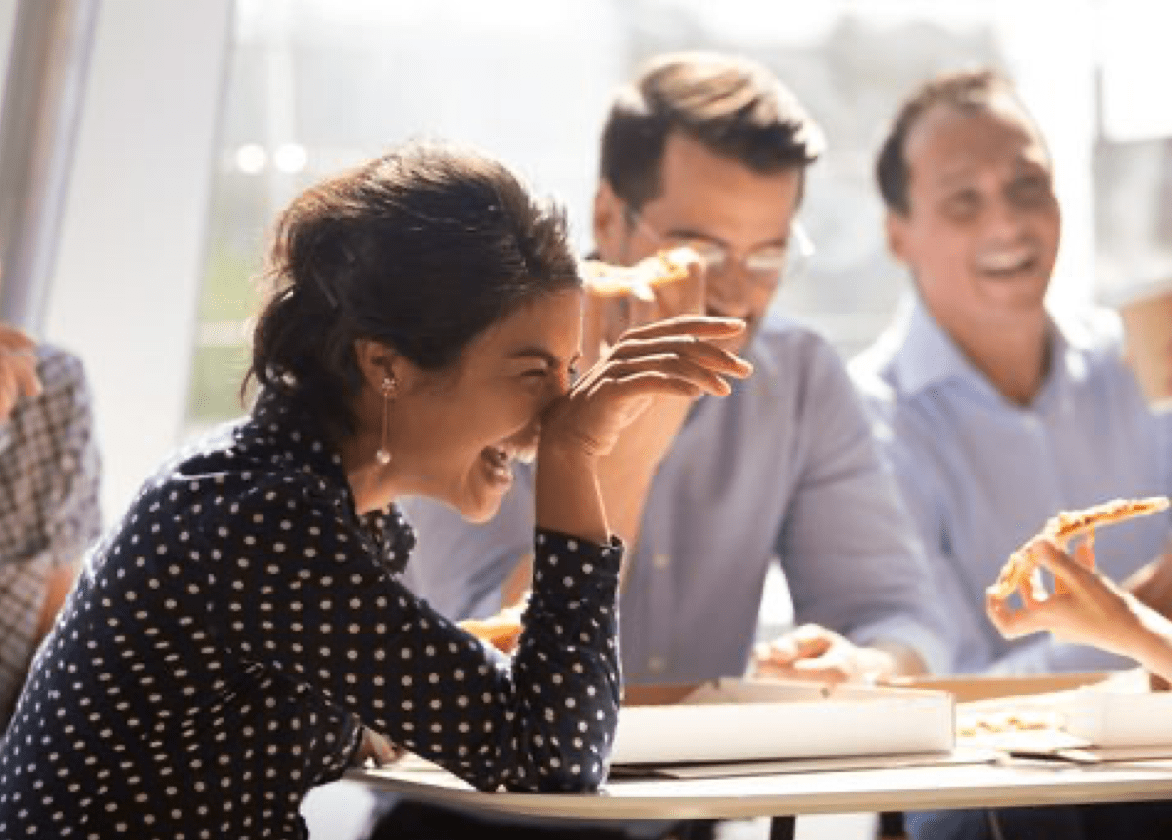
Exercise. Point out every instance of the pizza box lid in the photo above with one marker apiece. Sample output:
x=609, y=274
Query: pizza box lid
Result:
x=748, y=720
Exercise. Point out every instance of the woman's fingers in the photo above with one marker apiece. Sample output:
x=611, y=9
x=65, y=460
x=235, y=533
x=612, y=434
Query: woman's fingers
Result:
x=1065, y=568
x=700, y=351
x=670, y=365
x=377, y=748
x=700, y=326
x=1009, y=622
x=653, y=383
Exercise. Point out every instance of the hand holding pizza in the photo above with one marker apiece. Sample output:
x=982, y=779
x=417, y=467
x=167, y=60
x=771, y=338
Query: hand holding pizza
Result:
x=1091, y=610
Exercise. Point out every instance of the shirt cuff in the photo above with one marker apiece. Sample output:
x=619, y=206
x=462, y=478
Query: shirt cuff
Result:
x=911, y=633
x=552, y=546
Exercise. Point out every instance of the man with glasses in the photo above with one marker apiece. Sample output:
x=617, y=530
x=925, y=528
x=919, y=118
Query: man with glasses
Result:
x=710, y=151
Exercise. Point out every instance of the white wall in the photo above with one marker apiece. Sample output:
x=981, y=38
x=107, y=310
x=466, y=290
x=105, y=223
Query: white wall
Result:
x=124, y=290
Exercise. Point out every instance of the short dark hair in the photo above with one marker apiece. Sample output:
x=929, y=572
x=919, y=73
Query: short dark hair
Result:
x=732, y=105
x=966, y=90
x=421, y=249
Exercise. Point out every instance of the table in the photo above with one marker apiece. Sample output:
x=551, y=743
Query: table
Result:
x=955, y=785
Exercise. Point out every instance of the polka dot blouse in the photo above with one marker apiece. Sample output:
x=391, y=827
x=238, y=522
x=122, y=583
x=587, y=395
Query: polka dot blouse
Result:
x=229, y=639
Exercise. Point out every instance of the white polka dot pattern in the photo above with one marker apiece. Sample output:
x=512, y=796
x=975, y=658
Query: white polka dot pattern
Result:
x=228, y=641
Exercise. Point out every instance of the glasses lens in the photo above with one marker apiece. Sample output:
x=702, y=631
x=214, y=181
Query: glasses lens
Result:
x=767, y=260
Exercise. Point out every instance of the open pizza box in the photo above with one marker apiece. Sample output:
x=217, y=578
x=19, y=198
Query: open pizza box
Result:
x=1104, y=713
x=732, y=720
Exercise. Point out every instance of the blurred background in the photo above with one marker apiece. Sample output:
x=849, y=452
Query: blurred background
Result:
x=146, y=146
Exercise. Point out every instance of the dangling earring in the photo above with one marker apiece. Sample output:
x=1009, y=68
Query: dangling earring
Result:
x=389, y=386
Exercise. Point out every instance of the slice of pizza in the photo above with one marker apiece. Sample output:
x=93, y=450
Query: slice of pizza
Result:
x=664, y=267
x=1063, y=528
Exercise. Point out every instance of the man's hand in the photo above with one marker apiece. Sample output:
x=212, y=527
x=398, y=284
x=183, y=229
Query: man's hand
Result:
x=610, y=309
x=814, y=653
x=620, y=298
x=18, y=369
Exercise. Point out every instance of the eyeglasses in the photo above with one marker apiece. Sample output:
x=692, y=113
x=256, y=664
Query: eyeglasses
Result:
x=764, y=266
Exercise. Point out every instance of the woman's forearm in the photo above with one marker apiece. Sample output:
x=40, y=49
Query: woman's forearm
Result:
x=568, y=496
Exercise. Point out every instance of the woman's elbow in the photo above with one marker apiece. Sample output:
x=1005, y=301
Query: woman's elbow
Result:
x=572, y=776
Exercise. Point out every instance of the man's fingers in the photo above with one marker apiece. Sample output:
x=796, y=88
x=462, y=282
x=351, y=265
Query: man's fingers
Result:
x=15, y=340
x=802, y=643
x=829, y=670
x=24, y=369
x=18, y=378
x=684, y=295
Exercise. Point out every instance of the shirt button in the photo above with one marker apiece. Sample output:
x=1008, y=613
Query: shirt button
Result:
x=656, y=664
x=661, y=560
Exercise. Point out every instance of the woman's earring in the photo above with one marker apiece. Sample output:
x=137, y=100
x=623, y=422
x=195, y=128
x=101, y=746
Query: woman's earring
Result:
x=389, y=386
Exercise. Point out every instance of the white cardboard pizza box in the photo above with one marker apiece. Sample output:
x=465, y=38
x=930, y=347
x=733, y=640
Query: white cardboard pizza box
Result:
x=747, y=720
x=1104, y=711
x=1121, y=711
x=1119, y=720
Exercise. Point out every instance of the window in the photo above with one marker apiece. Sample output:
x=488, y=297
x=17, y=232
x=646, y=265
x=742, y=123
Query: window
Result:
x=316, y=85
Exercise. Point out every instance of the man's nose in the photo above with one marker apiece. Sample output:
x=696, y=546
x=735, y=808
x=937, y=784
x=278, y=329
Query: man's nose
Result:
x=729, y=292
x=1004, y=219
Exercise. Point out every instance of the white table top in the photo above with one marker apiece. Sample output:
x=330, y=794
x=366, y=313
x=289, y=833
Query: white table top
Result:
x=940, y=786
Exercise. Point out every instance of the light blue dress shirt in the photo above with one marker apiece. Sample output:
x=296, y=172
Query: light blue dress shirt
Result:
x=783, y=467
x=982, y=474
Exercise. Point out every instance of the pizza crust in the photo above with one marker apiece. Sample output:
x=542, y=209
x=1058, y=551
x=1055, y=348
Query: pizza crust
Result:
x=640, y=279
x=1064, y=527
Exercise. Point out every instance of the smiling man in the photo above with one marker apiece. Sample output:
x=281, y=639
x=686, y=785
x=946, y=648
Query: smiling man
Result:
x=996, y=411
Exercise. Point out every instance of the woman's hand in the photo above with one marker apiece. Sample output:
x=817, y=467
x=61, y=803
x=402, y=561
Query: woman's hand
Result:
x=674, y=357
x=376, y=748
x=1093, y=610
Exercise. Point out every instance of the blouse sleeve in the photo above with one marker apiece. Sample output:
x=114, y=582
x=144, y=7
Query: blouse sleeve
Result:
x=300, y=592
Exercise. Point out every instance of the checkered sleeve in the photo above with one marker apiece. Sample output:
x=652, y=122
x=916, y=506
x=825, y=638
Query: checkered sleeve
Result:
x=70, y=508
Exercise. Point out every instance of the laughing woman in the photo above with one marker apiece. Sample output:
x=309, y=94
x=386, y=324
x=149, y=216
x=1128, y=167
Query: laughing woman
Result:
x=242, y=635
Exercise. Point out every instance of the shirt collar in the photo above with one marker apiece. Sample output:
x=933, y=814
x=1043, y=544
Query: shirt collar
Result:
x=285, y=424
x=926, y=355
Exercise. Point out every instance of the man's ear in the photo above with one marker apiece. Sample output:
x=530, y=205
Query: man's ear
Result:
x=377, y=362
x=610, y=224
x=897, y=235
